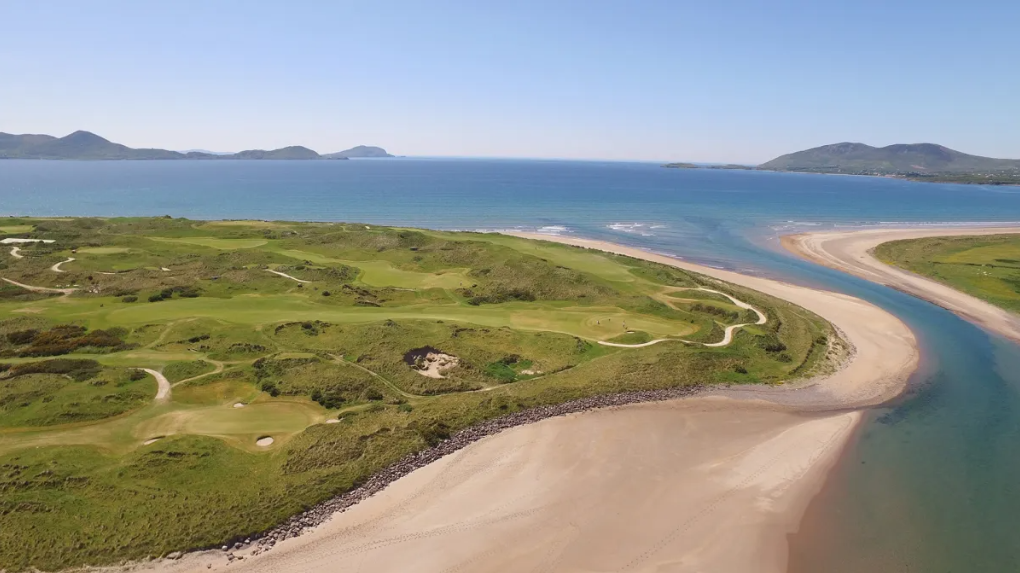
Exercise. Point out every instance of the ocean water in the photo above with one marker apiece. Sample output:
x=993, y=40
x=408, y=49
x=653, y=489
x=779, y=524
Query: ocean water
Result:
x=933, y=481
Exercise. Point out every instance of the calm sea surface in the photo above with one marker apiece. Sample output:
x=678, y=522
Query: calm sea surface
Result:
x=933, y=482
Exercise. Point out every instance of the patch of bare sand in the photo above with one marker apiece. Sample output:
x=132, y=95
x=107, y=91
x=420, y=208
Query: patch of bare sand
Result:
x=852, y=252
x=705, y=484
x=435, y=364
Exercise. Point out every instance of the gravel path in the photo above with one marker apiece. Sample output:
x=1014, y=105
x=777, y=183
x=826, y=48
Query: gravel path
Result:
x=163, y=394
x=63, y=291
x=727, y=334
x=286, y=276
x=56, y=268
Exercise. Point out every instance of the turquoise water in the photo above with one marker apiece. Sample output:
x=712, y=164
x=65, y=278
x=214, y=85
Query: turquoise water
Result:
x=932, y=483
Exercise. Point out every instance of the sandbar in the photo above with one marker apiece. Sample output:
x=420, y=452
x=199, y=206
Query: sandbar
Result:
x=852, y=252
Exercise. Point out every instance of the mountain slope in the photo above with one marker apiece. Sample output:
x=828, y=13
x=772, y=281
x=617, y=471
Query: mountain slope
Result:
x=78, y=145
x=358, y=152
x=84, y=145
x=292, y=152
x=892, y=159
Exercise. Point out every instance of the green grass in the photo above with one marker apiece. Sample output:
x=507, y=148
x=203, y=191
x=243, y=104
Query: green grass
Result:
x=987, y=267
x=214, y=242
x=632, y=337
x=103, y=250
x=53, y=399
x=81, y=486
x=15, y=229
x=184, y=369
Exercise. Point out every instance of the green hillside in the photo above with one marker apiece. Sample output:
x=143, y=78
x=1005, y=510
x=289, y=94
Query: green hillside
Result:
x=83, y=145
x=78, y=145
x=292, y=152
x=359, y=151
x=892, y=159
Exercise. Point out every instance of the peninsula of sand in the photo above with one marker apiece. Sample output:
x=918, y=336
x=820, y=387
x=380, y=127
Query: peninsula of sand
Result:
x=851, y=252
x=710, y=483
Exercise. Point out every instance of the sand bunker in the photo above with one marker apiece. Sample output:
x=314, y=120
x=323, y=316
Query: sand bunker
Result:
x=239, y=405
x=264, y=441
x=152, y=440
x=333, y=421
x=434, y=364
x=430, y=362
x=13, y=241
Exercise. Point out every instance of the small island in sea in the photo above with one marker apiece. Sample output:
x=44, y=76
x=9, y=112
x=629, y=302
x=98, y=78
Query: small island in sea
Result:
x=918, y=162
x=84, y=145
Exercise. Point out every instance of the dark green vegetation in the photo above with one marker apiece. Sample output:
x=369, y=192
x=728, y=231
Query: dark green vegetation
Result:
x=359, y=151
x=921, y=161
x=94, y=469
x=89, y=146
x=987, y=267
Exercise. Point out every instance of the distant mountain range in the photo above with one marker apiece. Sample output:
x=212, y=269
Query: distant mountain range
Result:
x=893, y=159
x=917, y=161
x=359, y=152
x=84, y=145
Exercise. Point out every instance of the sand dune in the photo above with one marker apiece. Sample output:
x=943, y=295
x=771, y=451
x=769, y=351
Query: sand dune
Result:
x=850, y=251
x=708, y=484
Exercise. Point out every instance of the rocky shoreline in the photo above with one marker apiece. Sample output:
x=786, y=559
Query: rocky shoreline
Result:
x=322, y=512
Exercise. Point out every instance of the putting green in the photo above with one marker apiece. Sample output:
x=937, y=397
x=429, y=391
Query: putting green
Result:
x=279, y=419
x=214, y=242
x=103, y=250
x=384, y=274
x=16, y=229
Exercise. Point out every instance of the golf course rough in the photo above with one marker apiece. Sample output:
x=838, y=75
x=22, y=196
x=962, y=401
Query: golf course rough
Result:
x=290, y=387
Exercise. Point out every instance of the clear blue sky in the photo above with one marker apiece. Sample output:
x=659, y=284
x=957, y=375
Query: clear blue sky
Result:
x=702, y=81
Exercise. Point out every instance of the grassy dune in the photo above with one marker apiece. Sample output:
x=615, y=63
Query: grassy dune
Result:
x=987, y=267
x=93, y=470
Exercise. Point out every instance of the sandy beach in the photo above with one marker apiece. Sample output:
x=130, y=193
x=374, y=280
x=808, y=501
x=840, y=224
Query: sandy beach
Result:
x=851, y=252
x=707, y=484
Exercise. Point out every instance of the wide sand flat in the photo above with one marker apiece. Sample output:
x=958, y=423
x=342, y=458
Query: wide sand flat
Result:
x=851, y=251
x=705, y=485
